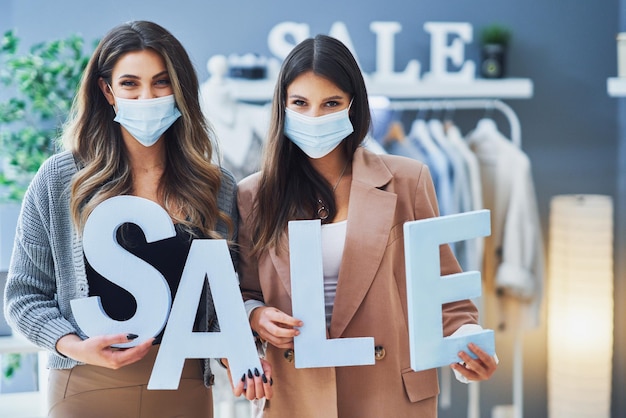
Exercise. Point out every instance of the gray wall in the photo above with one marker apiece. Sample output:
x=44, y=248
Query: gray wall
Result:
x=572, y=130
x=619, y=361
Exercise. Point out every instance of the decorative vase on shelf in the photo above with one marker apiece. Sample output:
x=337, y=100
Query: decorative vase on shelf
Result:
x=495, y=40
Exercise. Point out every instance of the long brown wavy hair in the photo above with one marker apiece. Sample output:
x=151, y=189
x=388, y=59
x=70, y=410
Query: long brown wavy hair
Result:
x=289, y=186
x=190, y=180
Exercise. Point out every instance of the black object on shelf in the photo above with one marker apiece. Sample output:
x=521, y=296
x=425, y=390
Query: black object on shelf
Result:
x=493, y=61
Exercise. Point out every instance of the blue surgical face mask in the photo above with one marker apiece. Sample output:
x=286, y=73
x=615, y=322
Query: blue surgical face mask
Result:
x=146, y=119
x=317, y=136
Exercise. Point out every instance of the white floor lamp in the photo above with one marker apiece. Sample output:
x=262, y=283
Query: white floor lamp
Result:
x=580, y=306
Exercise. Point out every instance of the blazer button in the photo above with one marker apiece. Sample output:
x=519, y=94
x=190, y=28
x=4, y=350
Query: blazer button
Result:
x=379, y=352
x=288, y=355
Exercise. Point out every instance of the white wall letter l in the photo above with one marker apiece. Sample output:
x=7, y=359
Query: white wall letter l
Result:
x=311, y=348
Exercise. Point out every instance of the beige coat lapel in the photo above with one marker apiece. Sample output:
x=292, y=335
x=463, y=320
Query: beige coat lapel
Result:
x=370, y=218
x=281, y=262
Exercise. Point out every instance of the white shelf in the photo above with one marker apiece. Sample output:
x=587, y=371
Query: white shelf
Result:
x=506, y=88
x=616, y=86
x=252, y=90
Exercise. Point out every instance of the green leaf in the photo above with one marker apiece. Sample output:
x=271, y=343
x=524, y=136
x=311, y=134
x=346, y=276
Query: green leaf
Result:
x=10, y=364
x=495, y=33
x=41, y=85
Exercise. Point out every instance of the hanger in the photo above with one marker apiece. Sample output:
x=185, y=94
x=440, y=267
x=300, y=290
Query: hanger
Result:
x=395, y=132
x=484, y=127
x=448, y=116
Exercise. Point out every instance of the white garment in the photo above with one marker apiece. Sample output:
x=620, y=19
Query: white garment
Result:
x=513, y=264
x=463, y=330
x=235, y=125
x=461, y=201
x=474, y=247
x=371, y=144
x=333, y=242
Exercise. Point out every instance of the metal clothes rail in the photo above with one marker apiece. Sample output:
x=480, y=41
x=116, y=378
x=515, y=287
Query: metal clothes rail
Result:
x=477, y=104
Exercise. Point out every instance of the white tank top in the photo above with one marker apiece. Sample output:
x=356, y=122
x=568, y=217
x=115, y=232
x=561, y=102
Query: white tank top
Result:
x=333, y=242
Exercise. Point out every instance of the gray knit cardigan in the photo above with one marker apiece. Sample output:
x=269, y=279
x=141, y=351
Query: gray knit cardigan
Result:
x=47, y=267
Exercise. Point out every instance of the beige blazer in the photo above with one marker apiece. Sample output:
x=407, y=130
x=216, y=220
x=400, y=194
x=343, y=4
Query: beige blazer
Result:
x=386, y=192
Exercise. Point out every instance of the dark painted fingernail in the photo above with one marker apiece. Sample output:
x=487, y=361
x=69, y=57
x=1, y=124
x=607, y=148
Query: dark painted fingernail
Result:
x=250, y=373
x=256, y=372
x=243, y=378
x=271, y=381
x=157, y=341
x=264, y=378
x=131, y=336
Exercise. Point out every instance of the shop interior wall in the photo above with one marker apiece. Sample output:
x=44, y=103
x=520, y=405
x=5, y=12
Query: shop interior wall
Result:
x=570, y=127
x=619, y=361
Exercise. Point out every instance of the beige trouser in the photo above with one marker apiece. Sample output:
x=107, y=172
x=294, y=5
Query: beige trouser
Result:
x=98, y=392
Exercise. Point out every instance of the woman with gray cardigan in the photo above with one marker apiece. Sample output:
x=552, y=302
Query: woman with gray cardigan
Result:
x=136, y=128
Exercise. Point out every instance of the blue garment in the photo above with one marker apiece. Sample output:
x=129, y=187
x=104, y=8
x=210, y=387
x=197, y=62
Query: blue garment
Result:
x=406, y=149
x=437, y=162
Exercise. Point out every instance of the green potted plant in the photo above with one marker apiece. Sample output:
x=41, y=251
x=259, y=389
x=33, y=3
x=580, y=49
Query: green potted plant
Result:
x=494, y=41
x=38, y=87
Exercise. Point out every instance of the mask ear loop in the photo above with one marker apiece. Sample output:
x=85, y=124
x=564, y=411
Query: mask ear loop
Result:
x=114, y=96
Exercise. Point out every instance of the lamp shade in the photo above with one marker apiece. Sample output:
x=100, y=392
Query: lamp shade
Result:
x=580, y=306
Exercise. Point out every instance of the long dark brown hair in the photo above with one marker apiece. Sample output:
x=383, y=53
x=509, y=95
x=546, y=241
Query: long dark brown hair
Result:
x=190, y=181
x=289, y=186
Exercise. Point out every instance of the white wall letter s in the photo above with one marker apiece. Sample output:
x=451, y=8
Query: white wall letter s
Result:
x=277, y=38
x=117, y=265
x=427, y=290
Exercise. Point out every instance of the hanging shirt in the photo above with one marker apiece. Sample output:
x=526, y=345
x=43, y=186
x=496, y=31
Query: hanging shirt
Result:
x=437, y=162
x=513, y=264
x=471, y=183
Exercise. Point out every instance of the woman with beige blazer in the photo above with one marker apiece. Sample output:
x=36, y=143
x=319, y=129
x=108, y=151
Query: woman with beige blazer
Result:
x=315, y=168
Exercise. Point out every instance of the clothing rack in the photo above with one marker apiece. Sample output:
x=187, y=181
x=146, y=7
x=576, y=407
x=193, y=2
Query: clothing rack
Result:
x=453, y=104
x=516, y=138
